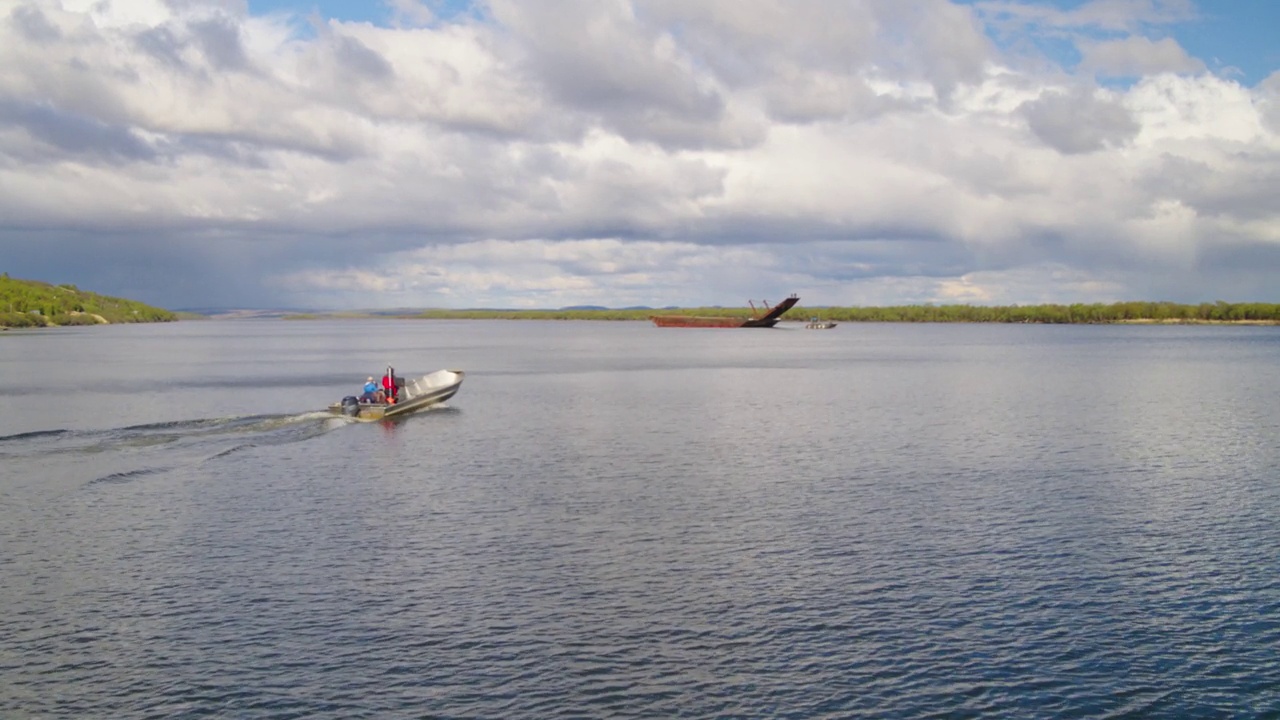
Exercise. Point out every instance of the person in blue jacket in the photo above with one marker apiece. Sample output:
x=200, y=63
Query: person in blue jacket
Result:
x=371, y=392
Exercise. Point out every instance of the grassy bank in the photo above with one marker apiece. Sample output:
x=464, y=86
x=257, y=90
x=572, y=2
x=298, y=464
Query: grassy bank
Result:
x=31, y=303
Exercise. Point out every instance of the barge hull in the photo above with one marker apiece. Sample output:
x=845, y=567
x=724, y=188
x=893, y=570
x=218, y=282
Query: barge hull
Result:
x=694, y=321
x=767, y=320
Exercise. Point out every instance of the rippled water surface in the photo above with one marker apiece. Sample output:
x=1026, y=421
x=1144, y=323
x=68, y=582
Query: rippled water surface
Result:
x=614, y=520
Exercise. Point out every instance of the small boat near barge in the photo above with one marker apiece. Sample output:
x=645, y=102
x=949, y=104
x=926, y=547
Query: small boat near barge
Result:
x=767, y=317
x=816, y=324
x=430, y=389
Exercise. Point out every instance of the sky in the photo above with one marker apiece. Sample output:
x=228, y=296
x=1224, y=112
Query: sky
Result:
x=336, y=154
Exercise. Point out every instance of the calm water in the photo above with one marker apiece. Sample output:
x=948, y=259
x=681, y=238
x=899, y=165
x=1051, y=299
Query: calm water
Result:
x=612, y=520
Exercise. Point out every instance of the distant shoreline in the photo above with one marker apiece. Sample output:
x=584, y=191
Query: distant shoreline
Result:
x=1132, y=312
x=1169, y=321
x=799, y=318
x=1125, y=313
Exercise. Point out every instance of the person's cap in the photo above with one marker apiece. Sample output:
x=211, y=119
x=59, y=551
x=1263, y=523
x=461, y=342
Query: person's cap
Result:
x=370, y=379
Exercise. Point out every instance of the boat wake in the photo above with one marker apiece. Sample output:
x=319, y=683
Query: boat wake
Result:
x=127, y=475
x=138, y=451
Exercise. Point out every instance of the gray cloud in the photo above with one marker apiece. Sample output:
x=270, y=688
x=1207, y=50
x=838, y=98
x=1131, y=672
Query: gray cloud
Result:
x=167, y=268
x=818, y=97
x=32, y=24
x=356, y=58
x=161, y=44
x=1240, y=189
x=217, y=39
x=220, y=41
x=1079, y=121
x=74, y=136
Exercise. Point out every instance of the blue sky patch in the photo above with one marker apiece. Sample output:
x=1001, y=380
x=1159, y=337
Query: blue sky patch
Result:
x=1233, y=39
x=371, y=11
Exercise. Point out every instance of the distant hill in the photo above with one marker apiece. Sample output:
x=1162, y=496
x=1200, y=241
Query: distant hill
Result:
x=240, y=313
x=31, y=303
x=602, y=307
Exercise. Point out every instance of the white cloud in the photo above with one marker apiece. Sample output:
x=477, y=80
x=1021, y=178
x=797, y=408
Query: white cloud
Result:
x=1205, y=108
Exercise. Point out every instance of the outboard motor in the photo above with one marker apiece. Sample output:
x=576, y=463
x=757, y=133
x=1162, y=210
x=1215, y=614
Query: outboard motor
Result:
x=350, y=406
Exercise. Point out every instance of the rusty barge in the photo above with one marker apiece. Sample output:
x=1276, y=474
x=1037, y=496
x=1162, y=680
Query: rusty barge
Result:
x=766, y=317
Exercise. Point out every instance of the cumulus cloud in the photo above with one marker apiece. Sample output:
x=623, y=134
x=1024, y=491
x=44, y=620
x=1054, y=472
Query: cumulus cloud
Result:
x=629, y=152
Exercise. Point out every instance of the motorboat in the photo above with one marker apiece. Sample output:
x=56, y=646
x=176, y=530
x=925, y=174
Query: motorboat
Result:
x=816, y=324
x=430, y=389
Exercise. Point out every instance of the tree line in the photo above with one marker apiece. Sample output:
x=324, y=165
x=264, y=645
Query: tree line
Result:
x=1080, y=313
x=31, y=303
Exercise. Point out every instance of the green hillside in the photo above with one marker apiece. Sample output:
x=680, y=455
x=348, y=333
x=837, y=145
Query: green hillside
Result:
x=30, y=303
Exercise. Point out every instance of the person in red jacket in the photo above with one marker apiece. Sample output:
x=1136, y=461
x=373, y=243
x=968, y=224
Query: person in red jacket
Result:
x=389, y=385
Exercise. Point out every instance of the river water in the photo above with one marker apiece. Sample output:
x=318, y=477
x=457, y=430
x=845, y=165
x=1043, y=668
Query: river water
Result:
x=612, y=520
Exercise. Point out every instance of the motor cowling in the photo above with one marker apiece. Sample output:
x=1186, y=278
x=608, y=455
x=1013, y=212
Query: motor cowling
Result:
x=350, y=406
